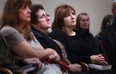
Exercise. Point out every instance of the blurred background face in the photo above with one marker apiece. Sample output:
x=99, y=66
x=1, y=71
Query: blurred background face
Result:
x=84, y=22
x=43, y=19
x=114, y=12
x=70, y=19
x=24, y=14
x=114, y=9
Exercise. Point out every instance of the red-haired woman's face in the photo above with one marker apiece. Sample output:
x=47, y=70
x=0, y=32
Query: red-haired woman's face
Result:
x=70, y=19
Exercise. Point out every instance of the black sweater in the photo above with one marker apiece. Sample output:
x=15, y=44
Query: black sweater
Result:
x=79, y=47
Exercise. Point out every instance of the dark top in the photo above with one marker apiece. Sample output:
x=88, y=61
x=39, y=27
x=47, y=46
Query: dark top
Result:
x=46, y=41
x=79, y=47
x=98, y=37
x=109, y=38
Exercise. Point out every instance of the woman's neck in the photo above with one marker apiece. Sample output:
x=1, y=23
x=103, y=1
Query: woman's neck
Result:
x=69, y=31
x=42, y=30
x=22, y=27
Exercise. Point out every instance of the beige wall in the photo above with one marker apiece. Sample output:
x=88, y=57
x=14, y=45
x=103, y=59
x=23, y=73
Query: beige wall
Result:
x=97, y=9
x=2, y=2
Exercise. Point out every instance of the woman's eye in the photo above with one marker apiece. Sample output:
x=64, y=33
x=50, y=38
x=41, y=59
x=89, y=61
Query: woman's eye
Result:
x=67, y=15
x=74, y=13
x=47, y=15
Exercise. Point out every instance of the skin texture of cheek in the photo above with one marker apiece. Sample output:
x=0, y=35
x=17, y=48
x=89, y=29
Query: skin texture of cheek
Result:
x=84, y=26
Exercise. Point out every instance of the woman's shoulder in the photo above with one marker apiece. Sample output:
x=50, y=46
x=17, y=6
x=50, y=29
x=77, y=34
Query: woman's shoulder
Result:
x=57, y=34
x=6, y=30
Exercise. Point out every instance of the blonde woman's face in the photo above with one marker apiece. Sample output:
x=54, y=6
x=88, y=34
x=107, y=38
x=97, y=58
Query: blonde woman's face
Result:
x=70, y=19
x=24, y=14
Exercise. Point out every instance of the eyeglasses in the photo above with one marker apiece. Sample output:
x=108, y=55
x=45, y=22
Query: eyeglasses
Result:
x=43, y=16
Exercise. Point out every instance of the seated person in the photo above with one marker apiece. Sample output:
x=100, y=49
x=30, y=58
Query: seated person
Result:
x=109, y=39
x=15, y=64
x=105, y=23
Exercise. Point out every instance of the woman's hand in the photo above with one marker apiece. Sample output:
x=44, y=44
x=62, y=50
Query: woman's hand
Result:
x=54, y=56
x=75, y=67
x=98, y=59
x=101, y=59
x=34, y=61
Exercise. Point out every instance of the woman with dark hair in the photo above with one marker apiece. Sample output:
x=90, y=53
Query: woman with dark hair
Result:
x=63, y=31
x=105, y=23
x=109, y=39
x=83, y=25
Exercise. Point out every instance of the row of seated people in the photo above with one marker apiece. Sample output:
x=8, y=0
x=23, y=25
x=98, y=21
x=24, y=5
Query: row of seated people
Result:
x=78, y=43
x=70, y=40
x=16, y=32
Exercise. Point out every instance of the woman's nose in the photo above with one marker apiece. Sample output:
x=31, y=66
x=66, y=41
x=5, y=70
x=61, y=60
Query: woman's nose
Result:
x=28, y=9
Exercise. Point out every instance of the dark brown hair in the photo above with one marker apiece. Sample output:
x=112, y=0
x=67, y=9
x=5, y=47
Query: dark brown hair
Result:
x=61, y=12
x=34, y=10
x=106, y=21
